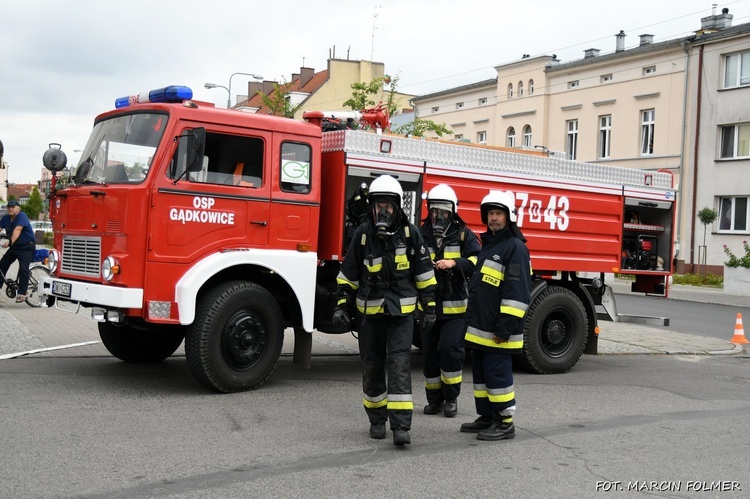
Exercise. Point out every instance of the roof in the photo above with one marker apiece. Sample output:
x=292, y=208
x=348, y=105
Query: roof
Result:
x=312, y=86
x=492, y=82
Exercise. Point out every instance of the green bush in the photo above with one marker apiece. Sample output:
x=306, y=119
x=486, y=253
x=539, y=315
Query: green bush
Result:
x=707, y=279
x=49, y=238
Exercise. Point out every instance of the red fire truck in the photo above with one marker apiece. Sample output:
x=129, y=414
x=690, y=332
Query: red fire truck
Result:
x=223, y=228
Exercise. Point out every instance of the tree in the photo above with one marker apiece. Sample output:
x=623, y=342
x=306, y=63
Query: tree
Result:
x=361, y=99
x=33, y=206
x=418, y=127
x=277, y=101
x=706, y=216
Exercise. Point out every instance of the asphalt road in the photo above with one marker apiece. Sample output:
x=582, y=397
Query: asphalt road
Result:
x=709, y=319
x=96, y=427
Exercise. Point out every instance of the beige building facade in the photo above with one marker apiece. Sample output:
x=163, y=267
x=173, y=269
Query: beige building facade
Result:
x=636, y=107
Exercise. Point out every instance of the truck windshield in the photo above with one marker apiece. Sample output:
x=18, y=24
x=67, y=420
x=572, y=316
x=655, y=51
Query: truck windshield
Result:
x=120, y=149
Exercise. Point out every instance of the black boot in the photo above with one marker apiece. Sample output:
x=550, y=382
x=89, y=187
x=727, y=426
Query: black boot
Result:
x=401, y=437
x=481, y=423
x=501, y=429
x=434, y=408
x=377, y=431
x=451, y=409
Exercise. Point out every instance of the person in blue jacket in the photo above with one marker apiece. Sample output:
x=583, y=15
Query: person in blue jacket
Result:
x=20, y=246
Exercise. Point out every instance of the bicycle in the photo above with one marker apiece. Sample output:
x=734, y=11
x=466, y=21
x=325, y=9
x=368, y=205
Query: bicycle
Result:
x=37, y=273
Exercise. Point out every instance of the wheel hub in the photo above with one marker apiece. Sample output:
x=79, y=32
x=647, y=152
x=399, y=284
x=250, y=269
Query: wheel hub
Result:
x=245, y=341
x=555, y=332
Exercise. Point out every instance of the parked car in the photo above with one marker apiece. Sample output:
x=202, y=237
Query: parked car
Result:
x=44, y=225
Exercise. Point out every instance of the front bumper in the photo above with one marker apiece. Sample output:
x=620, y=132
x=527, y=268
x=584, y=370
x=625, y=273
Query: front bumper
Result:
x=93, y=294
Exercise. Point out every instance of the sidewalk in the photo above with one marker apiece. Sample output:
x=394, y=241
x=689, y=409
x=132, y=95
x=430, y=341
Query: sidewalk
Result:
x=23, y=329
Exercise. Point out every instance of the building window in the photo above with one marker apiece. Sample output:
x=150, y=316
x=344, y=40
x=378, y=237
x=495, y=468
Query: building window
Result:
x=531, y=87
x=606, y=78
x=520, y=89
x=483, y=101
x=649, y=70
x=737, y=70
x=511, y=141
x=435, y=109
x=527, y=136
x=510, y=90
x=458, y=136
x=571, y=146
x=735, y=141
x=459, y=105
x=481, y=137
x=605, y=135
x=647, y=132
x=733, y=213
x=573, y=84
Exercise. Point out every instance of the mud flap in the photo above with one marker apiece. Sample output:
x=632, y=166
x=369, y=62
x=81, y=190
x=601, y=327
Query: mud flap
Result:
x=302, y=348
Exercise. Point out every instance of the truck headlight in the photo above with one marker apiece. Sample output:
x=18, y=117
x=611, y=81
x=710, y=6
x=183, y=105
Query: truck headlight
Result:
x=53, y=260
x=110, y=267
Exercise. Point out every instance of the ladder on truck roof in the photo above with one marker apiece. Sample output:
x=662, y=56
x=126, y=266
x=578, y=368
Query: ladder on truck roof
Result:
x=552, y=165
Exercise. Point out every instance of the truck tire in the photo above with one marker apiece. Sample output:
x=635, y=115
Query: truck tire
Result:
x=556, y=332
x=235, y=341
x=141, y=345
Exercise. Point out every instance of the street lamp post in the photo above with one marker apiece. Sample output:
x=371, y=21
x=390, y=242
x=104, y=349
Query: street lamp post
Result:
x=229, y=88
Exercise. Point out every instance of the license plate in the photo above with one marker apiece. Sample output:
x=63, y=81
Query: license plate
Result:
x=61, y=288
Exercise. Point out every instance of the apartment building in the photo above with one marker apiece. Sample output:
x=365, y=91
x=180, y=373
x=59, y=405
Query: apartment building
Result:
x=637, y=107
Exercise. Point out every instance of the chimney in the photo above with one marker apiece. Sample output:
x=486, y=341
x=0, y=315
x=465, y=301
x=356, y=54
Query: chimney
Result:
x=647, y=40
x=590, y=53
x=716, y=22
x=267, y=87
x=253, y=87
x=306, y=75
x=295, y=77
x=620, y=41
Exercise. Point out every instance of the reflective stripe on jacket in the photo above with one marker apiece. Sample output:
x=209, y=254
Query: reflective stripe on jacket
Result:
x=387, y=275
x=499, y=294
x=461, y=245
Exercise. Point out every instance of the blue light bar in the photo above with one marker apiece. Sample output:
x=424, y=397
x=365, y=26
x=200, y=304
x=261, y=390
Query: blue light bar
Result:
x=172, y=93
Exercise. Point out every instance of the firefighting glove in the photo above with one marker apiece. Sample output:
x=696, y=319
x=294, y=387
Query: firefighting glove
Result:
x=341, y=316
x=428, y=318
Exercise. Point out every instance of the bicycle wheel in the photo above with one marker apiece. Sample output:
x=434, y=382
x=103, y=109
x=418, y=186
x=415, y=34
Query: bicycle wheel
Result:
x=34, y=297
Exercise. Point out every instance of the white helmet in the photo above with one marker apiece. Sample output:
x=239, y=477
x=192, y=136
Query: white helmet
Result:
x=499, y=199
x=442, y=194
x=386, y=187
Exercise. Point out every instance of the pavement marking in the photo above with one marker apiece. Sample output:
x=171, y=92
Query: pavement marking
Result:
x=49, y=349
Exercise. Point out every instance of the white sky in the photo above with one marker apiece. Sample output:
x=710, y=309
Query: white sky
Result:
x=64, y=62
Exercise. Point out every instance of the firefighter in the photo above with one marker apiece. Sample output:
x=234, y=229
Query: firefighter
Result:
x=387, y=269
x=499, y=296
x=453, y=248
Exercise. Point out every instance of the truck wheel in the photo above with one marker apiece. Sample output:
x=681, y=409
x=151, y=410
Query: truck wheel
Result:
x=235, y=341
x=141, y=345
x=556, y=332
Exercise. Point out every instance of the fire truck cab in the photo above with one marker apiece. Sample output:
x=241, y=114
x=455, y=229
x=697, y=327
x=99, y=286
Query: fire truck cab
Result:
x=223, y=229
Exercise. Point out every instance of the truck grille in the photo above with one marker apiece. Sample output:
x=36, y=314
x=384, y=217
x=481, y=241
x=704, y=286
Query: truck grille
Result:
x=82, y=255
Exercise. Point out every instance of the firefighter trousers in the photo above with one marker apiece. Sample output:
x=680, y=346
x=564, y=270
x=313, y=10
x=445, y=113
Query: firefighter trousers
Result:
x=443, y=354
x=493, y=382
x=385, y=343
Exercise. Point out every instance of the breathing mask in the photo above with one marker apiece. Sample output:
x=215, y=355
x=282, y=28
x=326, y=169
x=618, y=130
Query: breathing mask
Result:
x=441, y=215
x=384, y=214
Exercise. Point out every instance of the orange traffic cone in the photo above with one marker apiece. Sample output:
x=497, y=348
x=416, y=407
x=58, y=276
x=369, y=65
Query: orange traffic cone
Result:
x=739, y=332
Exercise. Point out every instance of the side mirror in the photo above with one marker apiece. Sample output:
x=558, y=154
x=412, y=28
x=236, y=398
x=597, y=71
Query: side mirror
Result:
x=196, y=144
x=190, y=149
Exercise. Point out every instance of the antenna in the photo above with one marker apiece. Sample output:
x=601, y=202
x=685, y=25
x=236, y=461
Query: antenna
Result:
x=374, y=27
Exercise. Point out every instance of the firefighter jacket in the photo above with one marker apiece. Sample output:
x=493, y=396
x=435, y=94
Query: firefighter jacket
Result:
x=461, y=245
x=499, y=293
x=386, y=276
